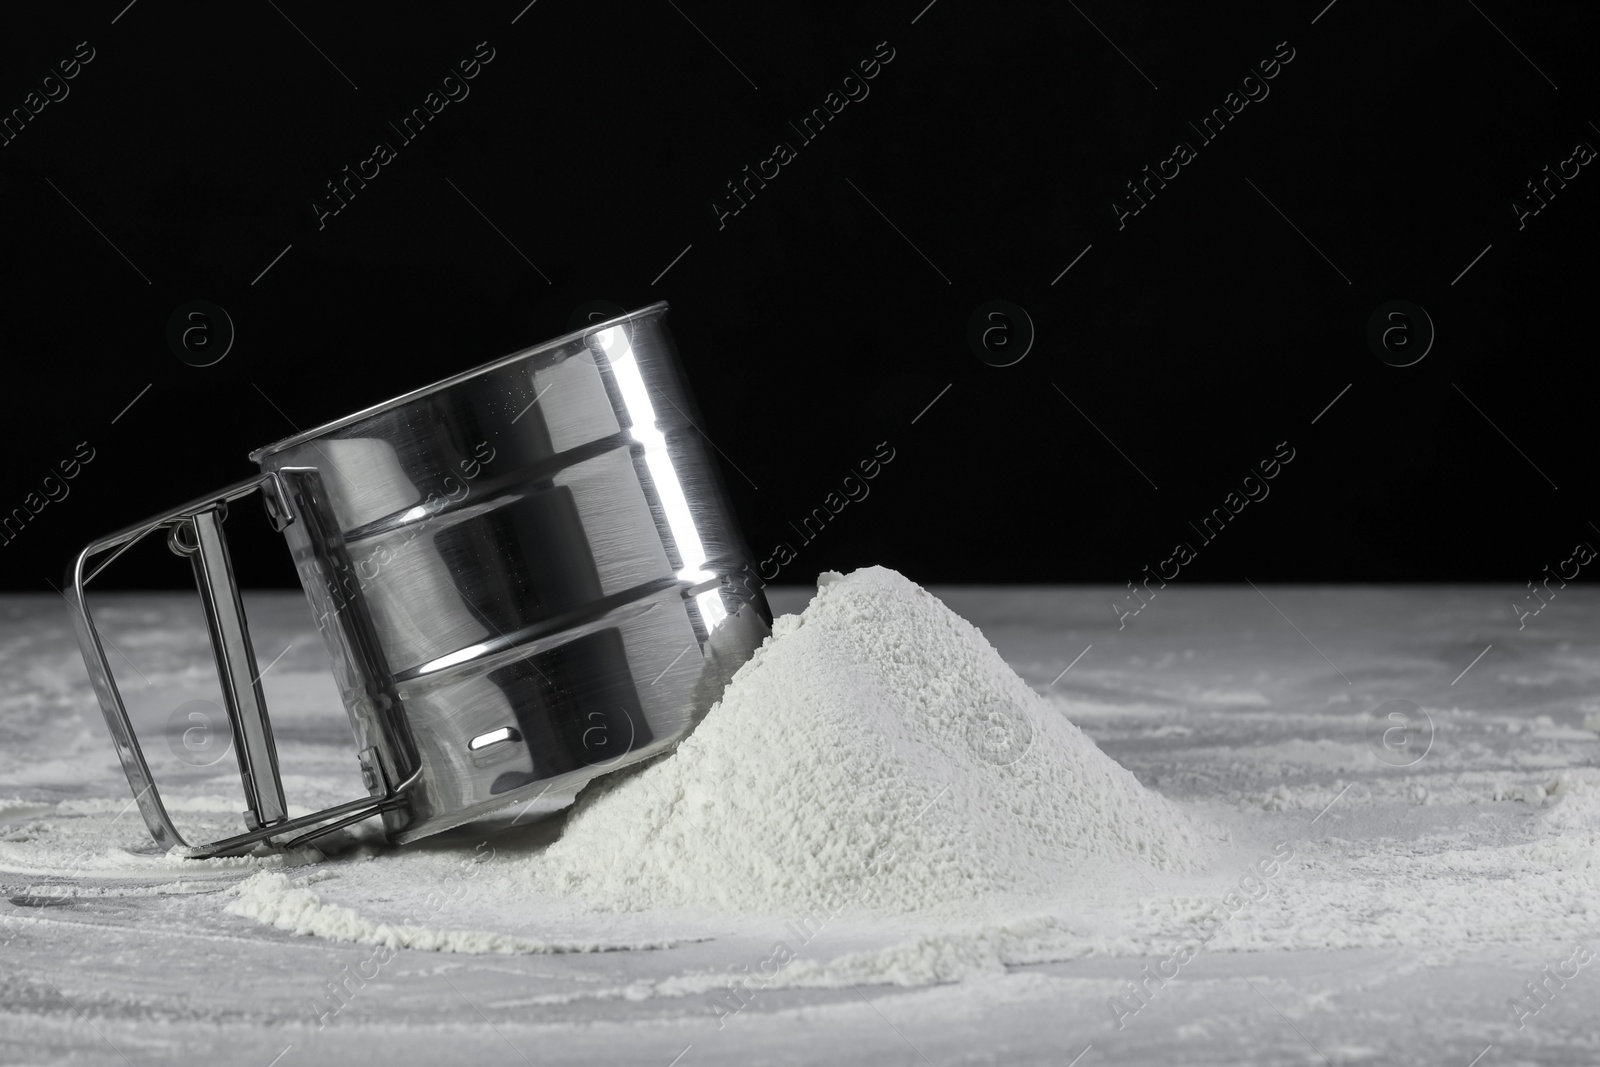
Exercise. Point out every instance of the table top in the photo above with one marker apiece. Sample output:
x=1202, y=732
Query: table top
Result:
x=1437, y=869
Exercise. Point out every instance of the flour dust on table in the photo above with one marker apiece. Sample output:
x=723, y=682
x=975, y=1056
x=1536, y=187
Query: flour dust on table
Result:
x=882, y=795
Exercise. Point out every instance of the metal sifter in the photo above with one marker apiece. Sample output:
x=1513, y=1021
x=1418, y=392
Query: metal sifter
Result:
x=522, y=575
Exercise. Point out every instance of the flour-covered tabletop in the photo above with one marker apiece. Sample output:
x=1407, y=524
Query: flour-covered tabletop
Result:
x=1285, y=825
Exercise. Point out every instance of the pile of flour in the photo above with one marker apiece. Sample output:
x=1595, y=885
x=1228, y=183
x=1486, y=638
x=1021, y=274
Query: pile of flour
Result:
x=876, y=751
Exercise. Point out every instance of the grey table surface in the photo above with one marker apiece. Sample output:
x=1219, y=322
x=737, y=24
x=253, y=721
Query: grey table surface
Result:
x=1254, y=702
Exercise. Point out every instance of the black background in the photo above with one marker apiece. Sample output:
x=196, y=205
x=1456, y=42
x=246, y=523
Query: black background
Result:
x=1196, y=338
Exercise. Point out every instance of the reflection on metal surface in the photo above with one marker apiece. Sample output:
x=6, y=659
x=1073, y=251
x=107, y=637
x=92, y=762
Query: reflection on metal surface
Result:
x=494, y=737
x=614, y=341
x=459, y=656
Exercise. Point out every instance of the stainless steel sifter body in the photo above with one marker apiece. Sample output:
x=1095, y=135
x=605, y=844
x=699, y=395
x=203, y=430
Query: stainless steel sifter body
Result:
x=523, y=576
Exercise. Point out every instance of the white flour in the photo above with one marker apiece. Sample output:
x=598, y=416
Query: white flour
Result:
x=854, y=761
x=274, y=900
x=875, y=751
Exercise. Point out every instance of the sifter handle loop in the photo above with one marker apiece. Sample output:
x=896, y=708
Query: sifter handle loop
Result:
x=195, y=530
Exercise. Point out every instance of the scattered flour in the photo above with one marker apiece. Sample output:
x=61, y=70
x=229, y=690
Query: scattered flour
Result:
x=878, y=763
x=274, y=900
x=82, y=840
x=1573, y=803
x=876, y=750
